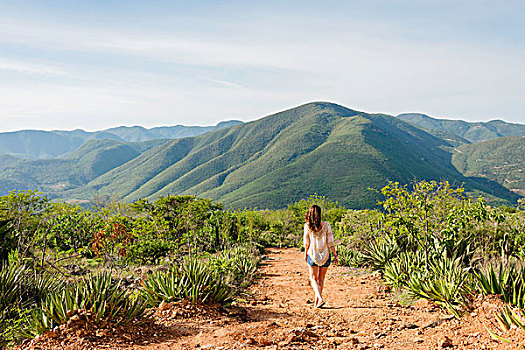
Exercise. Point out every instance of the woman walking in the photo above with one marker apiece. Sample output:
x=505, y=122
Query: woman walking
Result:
x=318, y=242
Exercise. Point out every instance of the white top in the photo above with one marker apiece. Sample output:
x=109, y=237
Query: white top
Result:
x=317, y=243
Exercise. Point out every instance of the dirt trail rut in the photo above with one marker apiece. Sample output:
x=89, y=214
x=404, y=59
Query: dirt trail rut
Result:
x=358, y=315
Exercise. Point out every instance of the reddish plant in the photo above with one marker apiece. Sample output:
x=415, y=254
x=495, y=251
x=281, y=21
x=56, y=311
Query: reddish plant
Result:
x=111, y=241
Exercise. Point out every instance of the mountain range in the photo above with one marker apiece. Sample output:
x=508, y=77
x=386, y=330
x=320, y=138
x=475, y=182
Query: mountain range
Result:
x=318, y=147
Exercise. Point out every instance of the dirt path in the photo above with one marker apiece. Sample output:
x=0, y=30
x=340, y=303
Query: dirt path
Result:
x=359, y=315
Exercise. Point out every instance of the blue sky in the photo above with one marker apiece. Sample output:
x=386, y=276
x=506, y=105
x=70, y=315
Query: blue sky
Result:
x=98, y=64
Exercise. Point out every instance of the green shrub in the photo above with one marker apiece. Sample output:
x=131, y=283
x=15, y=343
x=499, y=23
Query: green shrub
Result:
x=7, y=239
x=148, y=251
x=358, y=227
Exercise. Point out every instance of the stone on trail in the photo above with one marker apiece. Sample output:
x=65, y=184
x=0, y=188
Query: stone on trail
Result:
x=353, y=341
x=446, y=342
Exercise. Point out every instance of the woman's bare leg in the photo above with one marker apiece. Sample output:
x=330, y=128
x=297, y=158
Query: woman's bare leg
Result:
x=320, y=279
x=314, y=280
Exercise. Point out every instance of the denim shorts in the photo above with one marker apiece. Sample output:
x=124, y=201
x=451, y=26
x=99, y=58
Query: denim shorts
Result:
x=326, y=264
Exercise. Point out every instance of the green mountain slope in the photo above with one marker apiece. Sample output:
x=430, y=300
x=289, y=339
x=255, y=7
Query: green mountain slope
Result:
x=38, y=144
x=501, y=160
x=473, y=132
x=315, y=148
x=54, y=176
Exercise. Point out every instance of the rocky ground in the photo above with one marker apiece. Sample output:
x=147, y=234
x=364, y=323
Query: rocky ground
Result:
x=277, y=314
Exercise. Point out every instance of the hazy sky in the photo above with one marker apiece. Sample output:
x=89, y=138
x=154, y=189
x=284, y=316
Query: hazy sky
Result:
x=97, y=64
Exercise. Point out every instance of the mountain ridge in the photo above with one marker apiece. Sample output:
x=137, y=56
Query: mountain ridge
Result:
x=471, y=131
x=40, y=144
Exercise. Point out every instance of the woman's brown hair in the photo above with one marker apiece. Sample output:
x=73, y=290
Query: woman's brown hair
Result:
x=313, y=218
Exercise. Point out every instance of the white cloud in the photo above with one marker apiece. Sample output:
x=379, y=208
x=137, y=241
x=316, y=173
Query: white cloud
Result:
x=27, y=67
x=225, y=83
x=198, y=77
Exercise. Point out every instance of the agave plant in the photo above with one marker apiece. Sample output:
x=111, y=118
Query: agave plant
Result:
x=398, y=271
x=21, y=289
x=507, y=318
x=12, y=278
x=193, y=281
x=11, y=300
x=507, y=281
x=243, y=271
x=238, y=265
x=97, y=296
x=378, y=254
x=348, y=257
x=446, y=283
x=38, y=284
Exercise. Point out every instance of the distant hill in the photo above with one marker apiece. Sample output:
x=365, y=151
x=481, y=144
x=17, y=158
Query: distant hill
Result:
x=473, y=132
x=501, y=160
x=38, y=144
x=54, y=176
x=139, y=134
x=319, y=148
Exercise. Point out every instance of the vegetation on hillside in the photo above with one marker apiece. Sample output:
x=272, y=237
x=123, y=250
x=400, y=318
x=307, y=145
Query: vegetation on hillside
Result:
x=501, y=160
x=60, y=262
x=282, y=158
x=430, y=241
x=268, y=163
x=54, y=176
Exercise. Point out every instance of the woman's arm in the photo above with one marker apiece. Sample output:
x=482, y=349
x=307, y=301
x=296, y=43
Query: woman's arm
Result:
x=330, y=241
x=306, y=242
x=336, y=259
